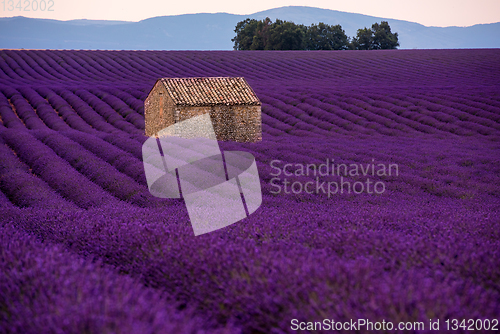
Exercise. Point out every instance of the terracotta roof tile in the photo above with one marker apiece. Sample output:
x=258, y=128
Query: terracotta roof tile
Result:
x=210, y=91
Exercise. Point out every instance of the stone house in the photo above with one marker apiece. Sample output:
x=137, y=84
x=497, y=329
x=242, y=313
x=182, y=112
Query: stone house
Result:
x=234, y=108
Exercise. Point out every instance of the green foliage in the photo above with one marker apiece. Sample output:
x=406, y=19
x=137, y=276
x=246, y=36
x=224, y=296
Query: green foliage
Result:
x=363, y=40
x=376, y=38
x=252, y=34
x=284, y=35
x=326, y=37
x=383, y=38
x=266, y=35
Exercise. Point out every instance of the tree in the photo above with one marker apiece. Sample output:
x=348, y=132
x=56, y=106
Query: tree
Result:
x=376, y=38
x=261, y=35
x=326, y=37
x=245, y=32
x=266, y=35
x=383, y=38
x=363, y=39
x=251, y=34
x=285, y=35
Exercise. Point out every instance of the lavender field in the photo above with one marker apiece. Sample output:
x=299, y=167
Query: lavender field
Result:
x=86, y=249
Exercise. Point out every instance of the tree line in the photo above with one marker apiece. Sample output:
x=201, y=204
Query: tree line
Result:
x=252, y=34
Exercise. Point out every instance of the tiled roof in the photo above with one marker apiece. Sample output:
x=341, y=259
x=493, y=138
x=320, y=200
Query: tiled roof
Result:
x=210, y=91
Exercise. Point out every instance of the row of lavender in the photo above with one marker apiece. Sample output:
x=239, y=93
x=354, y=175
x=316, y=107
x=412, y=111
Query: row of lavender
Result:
x=433, y=232
x=394, y=68
x=325, y=69
x=94, y=170
x=101, y=165
x=62, y=109
x=46, y=288
x=376, y=111
x=116, y=158
x=323, y=111
x=302, y=113
x=394, y=258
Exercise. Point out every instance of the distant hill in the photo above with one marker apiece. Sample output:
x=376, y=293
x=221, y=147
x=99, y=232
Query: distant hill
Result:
x=214, y=31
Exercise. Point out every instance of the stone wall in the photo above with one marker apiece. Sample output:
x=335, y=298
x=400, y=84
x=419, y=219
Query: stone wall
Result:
x=158, y=110
x=231, y=123
x=237, y=123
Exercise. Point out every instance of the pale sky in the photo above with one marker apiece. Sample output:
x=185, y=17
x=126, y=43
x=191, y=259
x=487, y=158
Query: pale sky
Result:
x=439, y=13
